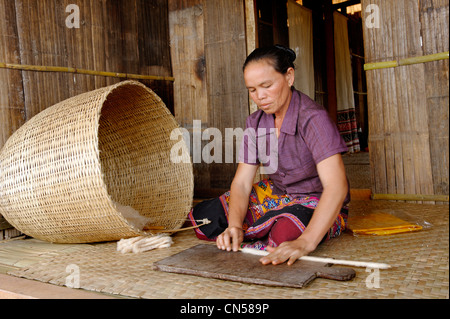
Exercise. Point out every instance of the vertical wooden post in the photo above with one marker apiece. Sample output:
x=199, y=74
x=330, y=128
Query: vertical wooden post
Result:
x=225, y=52
x=251, y=38
x=330, y=62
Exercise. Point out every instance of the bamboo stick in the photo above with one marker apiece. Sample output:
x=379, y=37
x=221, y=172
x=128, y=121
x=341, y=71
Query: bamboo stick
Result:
x=157, y=229
x=40, y=68
x=323, y=259
x=424, y=59
x=380, y=65
x=407, y=61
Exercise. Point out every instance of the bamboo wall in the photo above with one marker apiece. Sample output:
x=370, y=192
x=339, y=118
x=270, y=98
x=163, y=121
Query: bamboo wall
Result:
x=408, y=105
x=208, y=49
x=128, y=36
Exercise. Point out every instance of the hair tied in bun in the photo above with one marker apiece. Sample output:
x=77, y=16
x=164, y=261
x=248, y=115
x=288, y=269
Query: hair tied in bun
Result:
x=280, y=57
x=291, y=53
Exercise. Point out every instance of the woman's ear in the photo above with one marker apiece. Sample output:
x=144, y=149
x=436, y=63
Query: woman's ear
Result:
x=290, y=76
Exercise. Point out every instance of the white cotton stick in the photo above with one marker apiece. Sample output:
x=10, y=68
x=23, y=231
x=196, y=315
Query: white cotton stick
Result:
x=150, y=244
x=253, y=251
x=323, y=259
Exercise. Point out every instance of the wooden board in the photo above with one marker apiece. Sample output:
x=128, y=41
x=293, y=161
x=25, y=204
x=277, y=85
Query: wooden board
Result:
x=208, y=261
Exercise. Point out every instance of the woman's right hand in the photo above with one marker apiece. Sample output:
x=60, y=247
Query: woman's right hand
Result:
x=240, y=190
x=230, y=239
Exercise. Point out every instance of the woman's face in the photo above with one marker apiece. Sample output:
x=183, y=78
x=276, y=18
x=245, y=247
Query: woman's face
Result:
x=271, y=90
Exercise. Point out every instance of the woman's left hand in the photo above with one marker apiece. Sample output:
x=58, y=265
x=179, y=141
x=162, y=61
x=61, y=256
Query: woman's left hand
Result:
x=289, y=250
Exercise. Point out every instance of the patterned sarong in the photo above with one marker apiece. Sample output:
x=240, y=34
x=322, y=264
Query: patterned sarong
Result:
x=270, y=219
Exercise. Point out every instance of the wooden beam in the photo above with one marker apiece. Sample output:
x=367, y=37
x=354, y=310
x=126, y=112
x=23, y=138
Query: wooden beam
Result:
x=330, y=62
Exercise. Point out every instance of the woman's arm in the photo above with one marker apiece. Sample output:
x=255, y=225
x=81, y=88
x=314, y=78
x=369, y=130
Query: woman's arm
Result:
x=335, y=187
x=240, y=190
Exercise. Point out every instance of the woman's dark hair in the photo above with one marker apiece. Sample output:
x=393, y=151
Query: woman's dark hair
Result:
x=280, y=57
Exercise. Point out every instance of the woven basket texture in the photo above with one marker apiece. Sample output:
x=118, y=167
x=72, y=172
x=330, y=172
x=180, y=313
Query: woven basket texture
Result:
x=66, y=172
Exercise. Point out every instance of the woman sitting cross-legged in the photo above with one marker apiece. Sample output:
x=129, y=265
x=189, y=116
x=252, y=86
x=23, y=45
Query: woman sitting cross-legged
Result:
x=304, y=200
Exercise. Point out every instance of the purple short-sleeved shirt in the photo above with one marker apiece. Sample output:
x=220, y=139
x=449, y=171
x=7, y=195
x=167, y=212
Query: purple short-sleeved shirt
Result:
x=307, y=136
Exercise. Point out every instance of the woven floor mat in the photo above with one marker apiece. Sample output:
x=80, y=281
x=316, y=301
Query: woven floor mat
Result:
x=419, y=260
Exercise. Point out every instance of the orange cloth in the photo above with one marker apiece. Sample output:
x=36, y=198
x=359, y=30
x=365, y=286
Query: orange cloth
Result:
x=379, y=224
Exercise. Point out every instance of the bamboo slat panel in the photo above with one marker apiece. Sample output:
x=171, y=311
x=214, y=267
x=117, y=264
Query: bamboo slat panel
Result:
x=434, y=16
x=12, y=104
x=399, y=121
x=114, y=36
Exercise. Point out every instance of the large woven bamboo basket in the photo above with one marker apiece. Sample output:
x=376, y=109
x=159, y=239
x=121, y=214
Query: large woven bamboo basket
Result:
x=75, y=171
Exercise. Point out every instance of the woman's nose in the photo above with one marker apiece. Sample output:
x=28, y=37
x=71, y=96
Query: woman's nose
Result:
x=260, y=95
